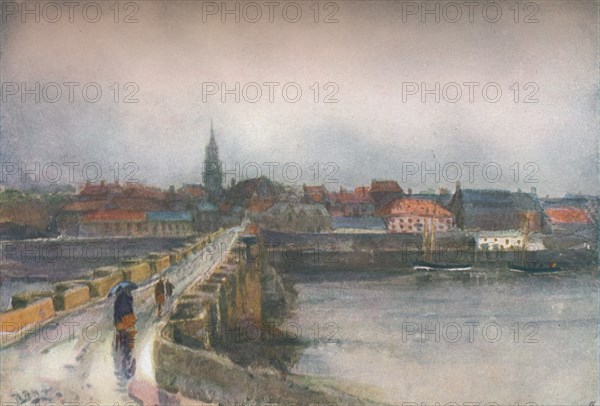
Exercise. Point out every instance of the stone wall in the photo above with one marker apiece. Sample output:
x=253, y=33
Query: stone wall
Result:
x=36, y=312
x=194, y=355
x=70, y=296
x=136, y=271
x=230, y=295
x=39, y=307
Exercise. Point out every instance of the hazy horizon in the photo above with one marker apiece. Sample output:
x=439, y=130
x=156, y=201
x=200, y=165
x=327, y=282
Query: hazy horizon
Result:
x=373, y=131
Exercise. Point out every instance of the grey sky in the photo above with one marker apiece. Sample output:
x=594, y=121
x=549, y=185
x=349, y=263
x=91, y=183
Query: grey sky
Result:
x=369, y=133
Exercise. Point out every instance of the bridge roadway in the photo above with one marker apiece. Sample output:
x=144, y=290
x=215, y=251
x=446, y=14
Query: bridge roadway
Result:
x=71, y=360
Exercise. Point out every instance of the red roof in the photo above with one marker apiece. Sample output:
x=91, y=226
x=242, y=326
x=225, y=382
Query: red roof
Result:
x=85, y=206
x=260, y=205
x=385, y=186
x=415, y=207
x=252, y=229
x=135, y=204
x=192, y=191
x=316, y=193
x=98, y=189
x=362, y=192
x=566, y=215
x=143, y=191
x=115, y=215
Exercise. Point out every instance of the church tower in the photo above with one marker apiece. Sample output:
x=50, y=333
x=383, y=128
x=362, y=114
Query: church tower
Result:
x=212, y=176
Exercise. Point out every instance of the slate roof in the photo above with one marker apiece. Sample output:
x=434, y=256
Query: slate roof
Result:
x=491, y=209
x=443, y=199
x=206, y=206
x=281, y=208
x=366, y=223
x=169, y=216
x=493, y=198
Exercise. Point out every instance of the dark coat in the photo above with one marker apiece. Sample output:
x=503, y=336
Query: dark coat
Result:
x=169, y=287
x=123, y=305
x=159, y=288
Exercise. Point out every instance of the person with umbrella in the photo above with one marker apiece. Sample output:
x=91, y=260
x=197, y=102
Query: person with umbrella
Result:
x=159, y=294
x=124, y=315
x=124, y=319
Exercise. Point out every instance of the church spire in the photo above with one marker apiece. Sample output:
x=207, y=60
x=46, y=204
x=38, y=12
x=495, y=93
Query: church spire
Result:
x=213, y=175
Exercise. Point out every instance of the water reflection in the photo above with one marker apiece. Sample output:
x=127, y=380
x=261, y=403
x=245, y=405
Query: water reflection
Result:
x=125, y=362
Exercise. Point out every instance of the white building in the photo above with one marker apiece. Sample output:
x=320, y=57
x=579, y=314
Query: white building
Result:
x=507, y=241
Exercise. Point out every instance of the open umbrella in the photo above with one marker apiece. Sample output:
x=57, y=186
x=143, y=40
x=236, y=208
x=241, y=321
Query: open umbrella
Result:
x=122, y=285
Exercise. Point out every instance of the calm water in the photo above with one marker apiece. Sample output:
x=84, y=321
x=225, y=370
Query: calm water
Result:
x=472, y=353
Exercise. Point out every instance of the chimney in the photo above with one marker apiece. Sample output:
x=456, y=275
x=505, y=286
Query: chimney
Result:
x=533, y=190
x=409, y=191
x=172, y=189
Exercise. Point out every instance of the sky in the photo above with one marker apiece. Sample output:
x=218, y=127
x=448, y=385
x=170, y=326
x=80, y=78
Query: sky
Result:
x=376, y=63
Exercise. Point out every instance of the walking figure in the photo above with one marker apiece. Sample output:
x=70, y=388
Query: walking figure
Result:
x=159, y=295
x=169, y=287
x=124, y=320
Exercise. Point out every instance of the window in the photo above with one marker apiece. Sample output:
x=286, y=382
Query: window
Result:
x=410, y=227
x=410, y=221
x=507, y=241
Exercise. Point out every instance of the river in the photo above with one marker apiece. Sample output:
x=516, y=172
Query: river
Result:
x=480, y=337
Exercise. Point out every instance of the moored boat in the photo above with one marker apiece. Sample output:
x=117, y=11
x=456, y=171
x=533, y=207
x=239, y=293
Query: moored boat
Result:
x=535, y=268
x=426, y=262
x=434, y=266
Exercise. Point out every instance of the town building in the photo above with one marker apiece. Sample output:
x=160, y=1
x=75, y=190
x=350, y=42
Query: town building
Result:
x=169, y=224
x=414, y=215
x=496, y=210
x=383, y=192
x=351, y=204
x=192, y=192
x=206, y=217
x=297, y=218
x=135, y=224
x=315, y=195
